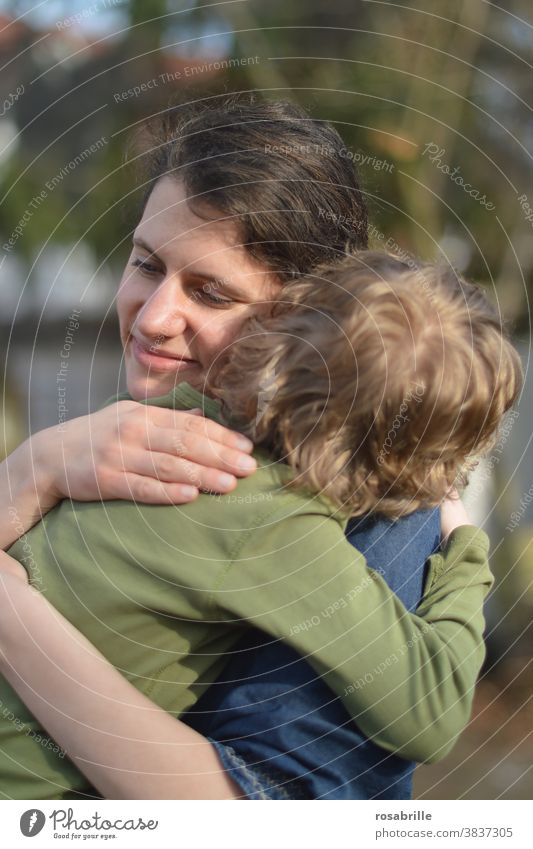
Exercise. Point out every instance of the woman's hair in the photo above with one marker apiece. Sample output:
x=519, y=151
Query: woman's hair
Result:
x=377, y=382
x=285, y=176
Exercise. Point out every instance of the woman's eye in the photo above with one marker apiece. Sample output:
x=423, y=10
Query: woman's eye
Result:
x=145, y=266
x=207, y=295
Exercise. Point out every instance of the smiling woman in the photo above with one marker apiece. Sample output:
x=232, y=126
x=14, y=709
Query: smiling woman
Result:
x=230, y=214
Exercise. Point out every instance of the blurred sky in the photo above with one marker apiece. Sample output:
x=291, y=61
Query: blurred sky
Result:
x=93, y=19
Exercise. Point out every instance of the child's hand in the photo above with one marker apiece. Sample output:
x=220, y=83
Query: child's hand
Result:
x=10, y=566
x=452, y=515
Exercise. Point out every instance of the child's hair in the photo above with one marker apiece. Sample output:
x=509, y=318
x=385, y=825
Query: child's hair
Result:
x=377, y=381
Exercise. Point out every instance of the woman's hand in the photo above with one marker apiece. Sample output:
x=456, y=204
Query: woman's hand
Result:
x=150, y=454
x=452, y=515
x=127, y=450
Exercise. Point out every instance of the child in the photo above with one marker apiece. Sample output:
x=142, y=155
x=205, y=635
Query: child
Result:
x=378, y=386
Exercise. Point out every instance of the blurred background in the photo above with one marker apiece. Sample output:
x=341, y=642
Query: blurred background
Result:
x=435, y=107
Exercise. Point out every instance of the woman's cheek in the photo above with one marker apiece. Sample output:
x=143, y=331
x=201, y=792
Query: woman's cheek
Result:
x=130, y=300
x=219, y=338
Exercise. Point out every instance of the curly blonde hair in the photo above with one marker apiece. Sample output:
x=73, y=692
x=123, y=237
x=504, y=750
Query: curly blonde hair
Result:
x=379, y=383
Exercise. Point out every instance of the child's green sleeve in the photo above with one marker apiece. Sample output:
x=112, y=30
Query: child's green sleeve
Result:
x=406, y=679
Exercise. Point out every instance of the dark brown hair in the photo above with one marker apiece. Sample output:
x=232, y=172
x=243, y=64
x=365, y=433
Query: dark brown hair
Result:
x=383, y=382
x=282, y=173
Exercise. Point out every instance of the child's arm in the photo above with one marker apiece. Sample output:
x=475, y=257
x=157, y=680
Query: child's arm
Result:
x=406, y=679
x=126, y=746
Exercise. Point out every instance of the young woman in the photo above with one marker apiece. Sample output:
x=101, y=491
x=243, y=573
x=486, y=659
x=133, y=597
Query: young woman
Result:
x=240, y=200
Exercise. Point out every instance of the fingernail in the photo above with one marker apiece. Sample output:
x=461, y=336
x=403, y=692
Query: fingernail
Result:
x=226, y=480
x=189, y=491
x=246, y=464
x=244, y=444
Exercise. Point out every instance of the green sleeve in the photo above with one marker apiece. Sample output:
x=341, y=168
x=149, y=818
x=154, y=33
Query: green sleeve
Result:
x=406, y=679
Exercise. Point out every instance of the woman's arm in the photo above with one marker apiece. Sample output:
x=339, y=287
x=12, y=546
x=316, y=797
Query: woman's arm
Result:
x=125, y=745
x=126, y=450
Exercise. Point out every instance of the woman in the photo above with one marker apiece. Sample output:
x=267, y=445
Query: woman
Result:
x=258, y=194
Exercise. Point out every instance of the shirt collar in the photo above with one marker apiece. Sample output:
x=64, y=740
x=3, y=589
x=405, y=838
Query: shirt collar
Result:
x=181, y=397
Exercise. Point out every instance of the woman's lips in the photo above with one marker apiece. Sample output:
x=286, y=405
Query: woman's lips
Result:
x=156, y=361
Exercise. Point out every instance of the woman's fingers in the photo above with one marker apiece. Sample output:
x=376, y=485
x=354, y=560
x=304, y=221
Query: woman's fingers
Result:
x=209, y=448
x=166, y=468
x=201, y=451
x=149, y=490
x=194, y=422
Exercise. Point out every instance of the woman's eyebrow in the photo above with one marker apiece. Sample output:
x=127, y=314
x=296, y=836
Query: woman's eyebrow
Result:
x=139, y=242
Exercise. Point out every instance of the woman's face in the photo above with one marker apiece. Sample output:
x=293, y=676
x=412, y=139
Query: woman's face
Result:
x=187, y=288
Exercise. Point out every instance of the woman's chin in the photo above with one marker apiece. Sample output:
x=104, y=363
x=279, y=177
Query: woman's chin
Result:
x=145, y=383
x=142, y=388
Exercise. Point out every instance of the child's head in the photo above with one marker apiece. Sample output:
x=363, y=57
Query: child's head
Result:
x=379, y=382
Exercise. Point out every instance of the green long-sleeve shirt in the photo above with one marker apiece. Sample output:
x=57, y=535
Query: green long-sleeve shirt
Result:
x=164, y=591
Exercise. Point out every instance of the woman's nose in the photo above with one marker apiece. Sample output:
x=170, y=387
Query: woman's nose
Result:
x=163, y=313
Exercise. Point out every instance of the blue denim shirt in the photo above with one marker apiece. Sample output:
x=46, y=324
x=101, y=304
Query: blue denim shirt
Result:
x=284, y=723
